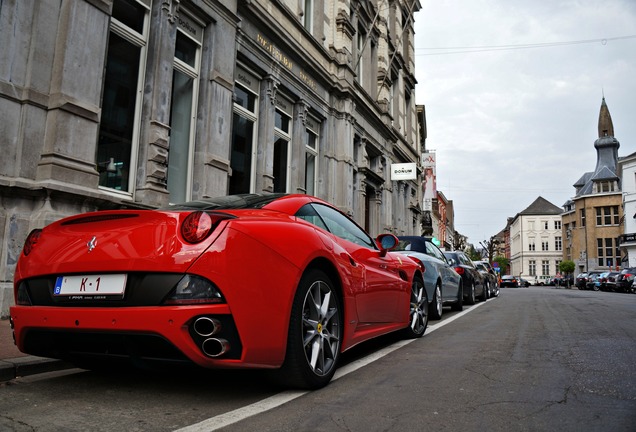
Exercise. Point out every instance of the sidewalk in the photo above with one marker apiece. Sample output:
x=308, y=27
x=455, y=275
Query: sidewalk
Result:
x=14, y=363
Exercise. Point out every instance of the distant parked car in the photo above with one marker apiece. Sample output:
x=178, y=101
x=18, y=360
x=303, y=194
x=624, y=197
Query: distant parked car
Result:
x=600, y=281
x=492, y=281
x=610, y=281
x=443, y=284
x=625, y=279
x=509, y=281
x=524, y=282
x=590, y=280
x=580, y=280
x=473, y=281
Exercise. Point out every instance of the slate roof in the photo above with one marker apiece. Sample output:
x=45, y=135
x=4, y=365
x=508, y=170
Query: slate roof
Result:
x=541, y=206
x=606, y=156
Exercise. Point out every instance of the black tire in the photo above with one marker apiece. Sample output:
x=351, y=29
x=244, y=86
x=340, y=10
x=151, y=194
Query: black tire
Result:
x=315, y=334
x=435, y=310
x=471, y=300
x=418, y=310
x=486, y=293
x=459, y=305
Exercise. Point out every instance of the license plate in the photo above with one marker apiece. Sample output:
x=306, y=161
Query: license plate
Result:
x=90, y=285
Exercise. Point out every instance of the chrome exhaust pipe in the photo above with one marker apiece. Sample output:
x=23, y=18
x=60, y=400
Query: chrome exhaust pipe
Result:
x=205, y=326
x=213, y=347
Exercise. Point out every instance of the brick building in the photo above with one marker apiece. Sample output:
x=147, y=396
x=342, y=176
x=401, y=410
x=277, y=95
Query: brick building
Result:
x=593, y=219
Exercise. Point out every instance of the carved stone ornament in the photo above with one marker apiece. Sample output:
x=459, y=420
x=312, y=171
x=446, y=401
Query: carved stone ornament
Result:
x=171, y=7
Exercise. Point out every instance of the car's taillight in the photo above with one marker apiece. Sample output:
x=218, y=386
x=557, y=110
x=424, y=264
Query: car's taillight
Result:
x=198, y=225
x=31, y=241
x=459, y=270
x=22, y=296
x=194, y=290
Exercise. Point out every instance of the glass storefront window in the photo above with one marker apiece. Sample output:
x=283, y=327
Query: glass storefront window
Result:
x=117, y=125
x=121, y=100
x=241, y=158
x=182, y=117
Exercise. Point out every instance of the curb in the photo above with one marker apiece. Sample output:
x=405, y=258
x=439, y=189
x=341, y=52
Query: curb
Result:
x=29, y=365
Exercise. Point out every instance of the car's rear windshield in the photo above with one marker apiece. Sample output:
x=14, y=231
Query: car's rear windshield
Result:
x=229, y=202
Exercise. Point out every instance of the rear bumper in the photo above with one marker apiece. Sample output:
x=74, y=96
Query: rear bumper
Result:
x=139, y=334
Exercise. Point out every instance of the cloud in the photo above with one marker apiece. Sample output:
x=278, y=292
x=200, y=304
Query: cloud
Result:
x=518, y=118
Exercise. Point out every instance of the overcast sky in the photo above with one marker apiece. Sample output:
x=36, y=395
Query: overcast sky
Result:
x=509, y=124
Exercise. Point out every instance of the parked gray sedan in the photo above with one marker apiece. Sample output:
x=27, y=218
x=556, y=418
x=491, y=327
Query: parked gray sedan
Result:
x=443, y=284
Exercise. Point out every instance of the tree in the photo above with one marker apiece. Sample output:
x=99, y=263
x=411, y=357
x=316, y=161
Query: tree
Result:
x=490, y=247
x=472, y=253
x=567, y=268
x=503, y=263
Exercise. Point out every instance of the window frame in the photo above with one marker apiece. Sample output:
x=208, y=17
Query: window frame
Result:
x=193, y=72
x=140, y=41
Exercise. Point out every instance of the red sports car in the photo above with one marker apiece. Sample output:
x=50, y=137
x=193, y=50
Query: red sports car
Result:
x=284, y=282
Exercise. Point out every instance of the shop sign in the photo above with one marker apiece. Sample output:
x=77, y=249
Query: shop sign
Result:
x=403, y=171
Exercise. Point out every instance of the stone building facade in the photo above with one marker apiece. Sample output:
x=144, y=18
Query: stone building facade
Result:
x=140, y=103
x=593, y=219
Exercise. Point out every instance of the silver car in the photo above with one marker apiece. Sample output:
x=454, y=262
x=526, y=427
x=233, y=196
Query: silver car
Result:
x=443, y=284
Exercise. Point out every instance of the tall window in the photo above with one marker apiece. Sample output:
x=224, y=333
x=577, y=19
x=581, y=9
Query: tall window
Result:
x=183, y=116
x=545, y=225
x=558, y=243
x=311, y=156
x=531, y=245
x=557, y=225
x=606, y=216
x=532, y=268
x=282, y=137
x=608, y=252
x=544, y=245
x=243, y=128
x=545, y=268
x=308, y=14
x=360, y=42
x=582, y=214
x=122, y=94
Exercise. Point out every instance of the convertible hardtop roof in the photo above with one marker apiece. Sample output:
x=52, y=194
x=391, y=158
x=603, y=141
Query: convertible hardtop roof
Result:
x=229, y=202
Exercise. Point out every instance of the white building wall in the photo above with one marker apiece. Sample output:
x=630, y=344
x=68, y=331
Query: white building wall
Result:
x=627, y=172
x=528, y=233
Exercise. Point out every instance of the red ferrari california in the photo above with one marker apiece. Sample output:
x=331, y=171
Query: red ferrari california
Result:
x=282, y=282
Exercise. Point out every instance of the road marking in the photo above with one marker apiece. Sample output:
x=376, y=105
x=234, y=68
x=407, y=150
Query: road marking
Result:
x=230, y=417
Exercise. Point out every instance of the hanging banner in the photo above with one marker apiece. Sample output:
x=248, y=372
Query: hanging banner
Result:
x=403, y=171
x=429, y=182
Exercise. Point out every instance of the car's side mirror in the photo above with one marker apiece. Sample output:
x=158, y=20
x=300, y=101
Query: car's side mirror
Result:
x=386, y=242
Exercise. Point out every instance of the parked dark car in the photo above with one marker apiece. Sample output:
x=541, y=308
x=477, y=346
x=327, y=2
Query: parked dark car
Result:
x=581, y=280
x=625, y=280
x=473, y=281
x=443, y=284
x=610, y=281
x=563, y=281
x=600, y=281
x=590, y=280
x=509, y=281
x=524, y=282
x=492, y=281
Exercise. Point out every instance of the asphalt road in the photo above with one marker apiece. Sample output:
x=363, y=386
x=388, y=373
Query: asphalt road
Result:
x=534, y=359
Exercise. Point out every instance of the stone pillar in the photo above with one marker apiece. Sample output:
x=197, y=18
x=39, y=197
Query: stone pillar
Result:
x=152, y=165
x=72, y=116
x=301, y=110
x=265, y=141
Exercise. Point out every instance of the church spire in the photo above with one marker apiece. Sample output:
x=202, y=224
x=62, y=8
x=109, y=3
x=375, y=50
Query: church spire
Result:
x=605, y=125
